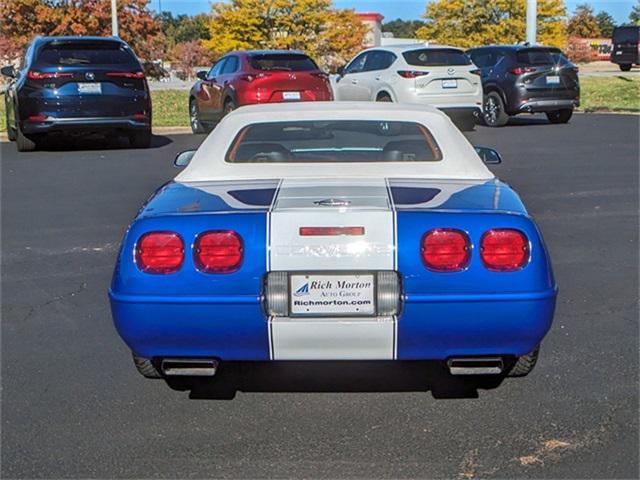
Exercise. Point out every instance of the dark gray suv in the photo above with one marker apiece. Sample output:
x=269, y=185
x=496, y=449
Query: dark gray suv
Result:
x=526, y=79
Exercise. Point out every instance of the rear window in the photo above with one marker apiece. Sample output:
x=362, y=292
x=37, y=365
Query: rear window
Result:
x=285, y=62
x=434, y=57
x=539, y=56
x=626, y=35
x=78, y=54
x=338, y=141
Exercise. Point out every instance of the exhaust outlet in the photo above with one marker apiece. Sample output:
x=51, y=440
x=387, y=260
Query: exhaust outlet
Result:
x=189, y=367
x=475, y=366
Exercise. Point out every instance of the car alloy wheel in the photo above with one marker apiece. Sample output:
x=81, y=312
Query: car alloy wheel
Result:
x=193, y=115
x=491, y=110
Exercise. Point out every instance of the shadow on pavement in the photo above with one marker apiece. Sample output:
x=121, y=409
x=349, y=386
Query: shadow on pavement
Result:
x=347, y=377
x=57, y=143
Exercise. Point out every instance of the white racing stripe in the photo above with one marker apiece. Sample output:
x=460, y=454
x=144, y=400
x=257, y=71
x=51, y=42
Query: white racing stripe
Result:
x=352, y=203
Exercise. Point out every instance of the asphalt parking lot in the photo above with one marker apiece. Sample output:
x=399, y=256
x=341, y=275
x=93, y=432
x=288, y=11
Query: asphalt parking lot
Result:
x=74, y=406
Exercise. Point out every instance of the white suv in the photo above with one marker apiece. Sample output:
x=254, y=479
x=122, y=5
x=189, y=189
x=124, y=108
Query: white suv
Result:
x=439, y=75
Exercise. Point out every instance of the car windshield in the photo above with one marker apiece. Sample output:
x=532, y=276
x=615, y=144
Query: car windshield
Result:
x=334, y=141
x=540, y=56
x=284, y=62
x=74, y=54
x=433, y=57
x=626, y=35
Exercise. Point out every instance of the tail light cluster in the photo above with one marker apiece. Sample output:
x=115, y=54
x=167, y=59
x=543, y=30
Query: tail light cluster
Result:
x=521, y=70
x=216, y=251
x=449, y=250
x=138, y=75
x=33, y=75
x=411, y=73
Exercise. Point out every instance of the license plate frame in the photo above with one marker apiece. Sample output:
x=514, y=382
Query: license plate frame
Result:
x=297, y=280
x=450, y=83
x=90, y=88
x=553, y=79
x=291, y=96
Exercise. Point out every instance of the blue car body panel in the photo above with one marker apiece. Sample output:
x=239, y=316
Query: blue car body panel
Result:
x=472, y=312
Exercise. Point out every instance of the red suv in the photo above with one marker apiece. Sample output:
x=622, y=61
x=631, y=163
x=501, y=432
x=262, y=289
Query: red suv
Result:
x=258, y=76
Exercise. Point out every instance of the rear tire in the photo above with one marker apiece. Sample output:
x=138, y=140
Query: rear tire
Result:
x=524, y=365
x=11, y=132
x=384, y=97
x=494, y=114
x=146, y=368
x=229, y=106
x=625, y=67
x=140, y=139
x=24, y=143
x=560, y=116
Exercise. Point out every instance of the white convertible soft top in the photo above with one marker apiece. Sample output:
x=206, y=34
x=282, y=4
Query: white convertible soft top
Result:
x=459, y=159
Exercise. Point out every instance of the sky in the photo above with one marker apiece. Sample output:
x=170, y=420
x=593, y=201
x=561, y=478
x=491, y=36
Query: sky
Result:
x=392, y=9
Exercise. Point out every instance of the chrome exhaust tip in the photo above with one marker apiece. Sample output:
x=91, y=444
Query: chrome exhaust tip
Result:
x=475, y=366
x=189, y=367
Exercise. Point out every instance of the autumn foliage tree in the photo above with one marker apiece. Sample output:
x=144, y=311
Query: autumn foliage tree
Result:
x=29, y=18
x=187, y=55
x=330, y=36
x=583, y=23
x=468, y=23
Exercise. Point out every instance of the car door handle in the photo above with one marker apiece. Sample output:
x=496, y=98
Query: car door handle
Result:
x=378, y=77
x=354, y=81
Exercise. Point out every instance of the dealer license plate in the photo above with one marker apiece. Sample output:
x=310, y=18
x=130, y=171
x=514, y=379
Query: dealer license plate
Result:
x=553, y=80
x=291, y=95
x=449, y=83
x=332, y=294
x=90, y=88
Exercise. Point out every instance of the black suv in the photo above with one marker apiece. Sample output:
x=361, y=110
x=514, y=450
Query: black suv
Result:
x=526, y=79
x=625, y=46
x=77, y=84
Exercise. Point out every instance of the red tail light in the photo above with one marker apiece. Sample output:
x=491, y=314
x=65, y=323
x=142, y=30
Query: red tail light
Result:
x=218, y=251
x=446, y=250
x=521, y=70
x=251, y=77
x=411, y=73
x=504, y=249
x=37, y=118
x=33, y=75
x=330, y=231
x=160, y=252
x=126, y=74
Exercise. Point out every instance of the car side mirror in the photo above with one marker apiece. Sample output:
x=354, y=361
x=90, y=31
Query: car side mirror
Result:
x=183, y=158
x=202, y=74
x=340, y=71
x=488, y=155
x=8, y=71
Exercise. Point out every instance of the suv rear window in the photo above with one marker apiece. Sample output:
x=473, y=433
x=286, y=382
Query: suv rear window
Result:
x=332, y=141
x=285, y=62
x=626, y=35
x=82, y=53
x=433, y=57
x=538, y=56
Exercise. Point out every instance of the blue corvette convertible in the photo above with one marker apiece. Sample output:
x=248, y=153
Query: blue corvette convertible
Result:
x=348, y=231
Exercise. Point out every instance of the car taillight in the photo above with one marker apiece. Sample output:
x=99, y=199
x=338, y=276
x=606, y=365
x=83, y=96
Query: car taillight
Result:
x=521, y=70
x=139, y=75
x=33, y=75
x=321, y=75
x=411, y=73
x=160, y=252
x=504, y=249
x=218, y=251
x=250, y=77
x=446, y=250
x=476, y=71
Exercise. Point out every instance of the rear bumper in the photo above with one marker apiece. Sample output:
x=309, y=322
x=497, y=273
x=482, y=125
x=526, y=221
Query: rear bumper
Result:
x=431, y=327
x=84, y=124
x=547, y=105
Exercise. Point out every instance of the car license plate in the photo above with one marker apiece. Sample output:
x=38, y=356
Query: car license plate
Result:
x=91, y=88
x=449, y=84
x=553, y=80
x=291, y=95
x=319, y=294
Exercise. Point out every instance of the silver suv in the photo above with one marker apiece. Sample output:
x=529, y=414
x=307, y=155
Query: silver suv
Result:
x=442, y=76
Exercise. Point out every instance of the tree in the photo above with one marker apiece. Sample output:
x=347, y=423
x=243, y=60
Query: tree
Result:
x=308, y=25
x=184, y=28
x=187, y=55
x=80, y=17
x=634, y=16
x=466, y=23
x=583, y=23
x=403, y=28
x=606, y=24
